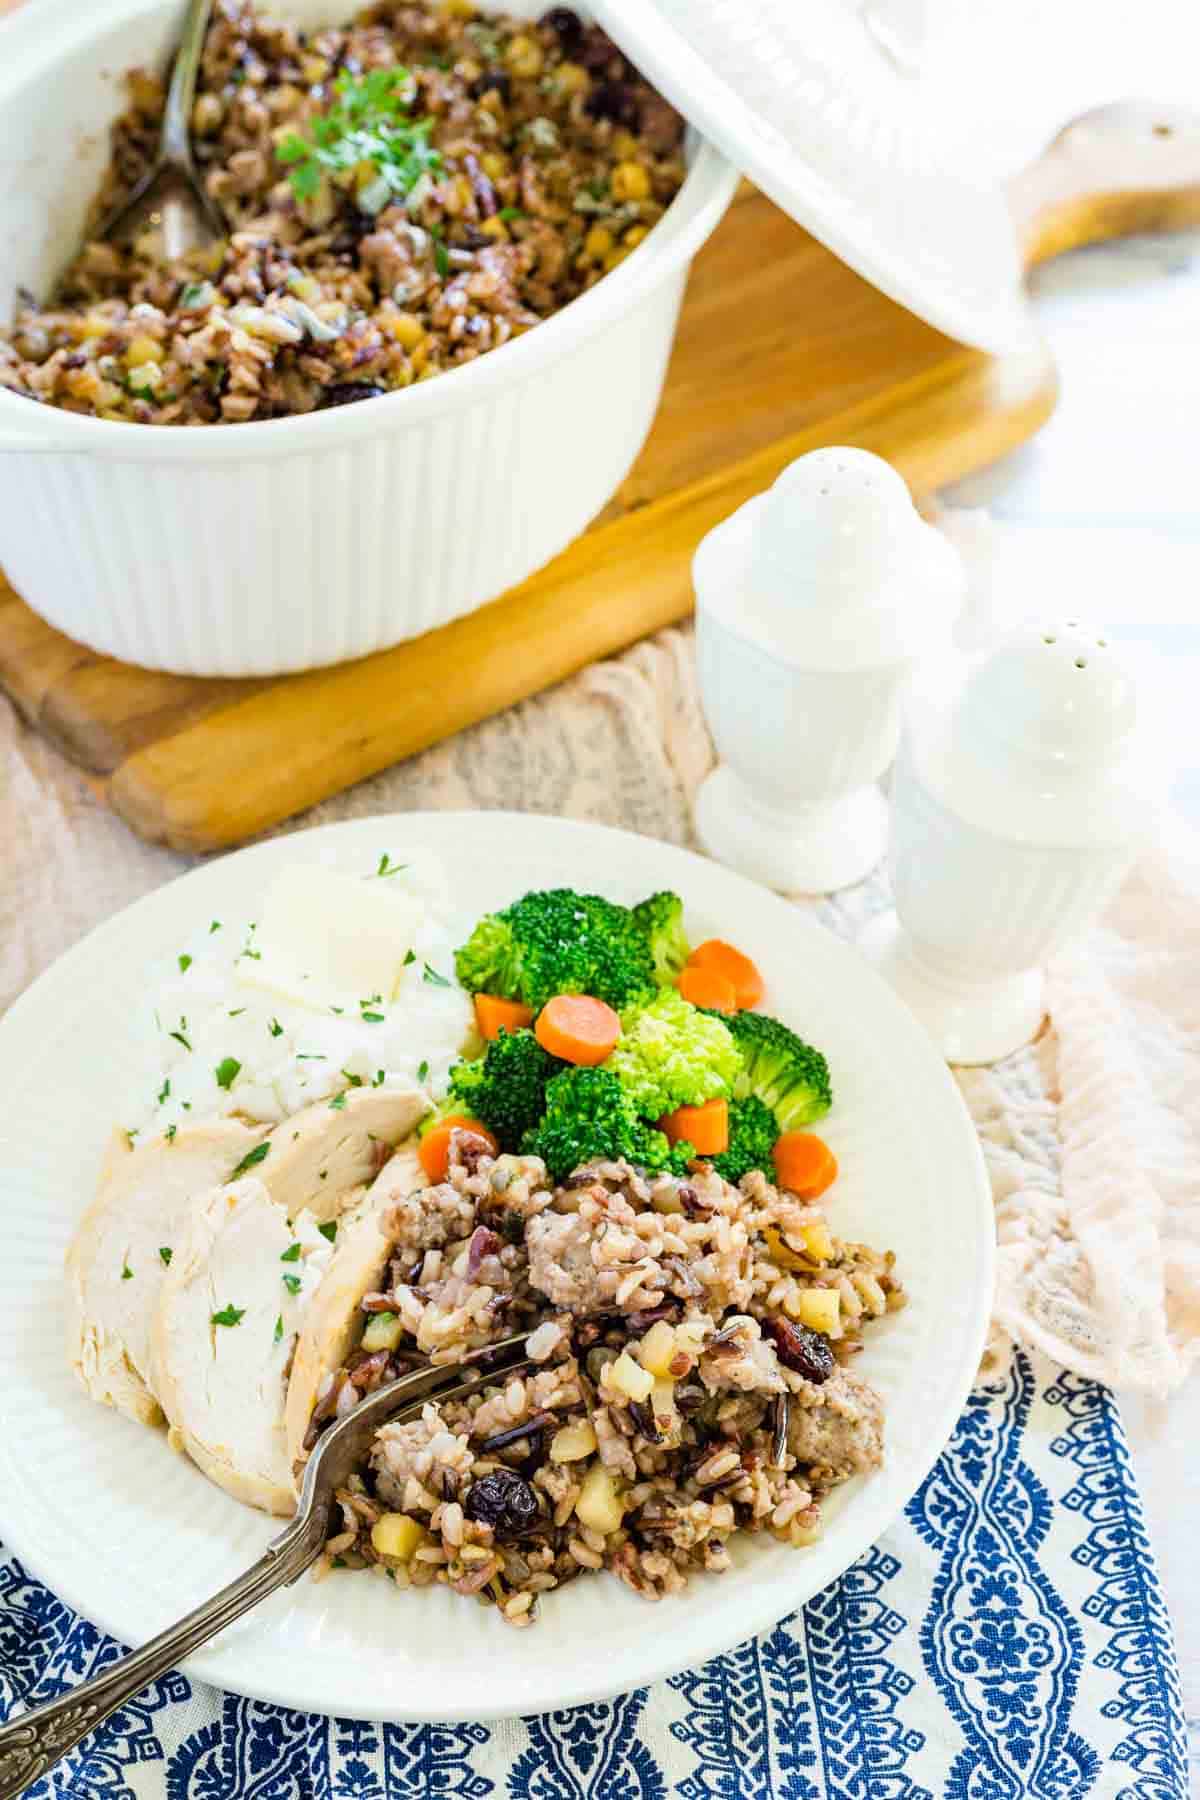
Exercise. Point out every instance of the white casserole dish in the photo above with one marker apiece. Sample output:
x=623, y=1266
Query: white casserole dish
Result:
x=285, y=544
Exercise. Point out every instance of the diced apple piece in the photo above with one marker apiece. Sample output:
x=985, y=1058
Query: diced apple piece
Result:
x=818, y=1308
x=657, y=1348
x=383, y=1332
x=629, y=1378
x=397, y=1536
x=573, y=1442
x=818, y=1240
x=599, y=1505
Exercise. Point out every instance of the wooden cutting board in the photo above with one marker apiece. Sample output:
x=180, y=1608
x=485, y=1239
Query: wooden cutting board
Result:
x=780, y=349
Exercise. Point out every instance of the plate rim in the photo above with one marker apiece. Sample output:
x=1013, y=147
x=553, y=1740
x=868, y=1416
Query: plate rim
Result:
x=763, y=1611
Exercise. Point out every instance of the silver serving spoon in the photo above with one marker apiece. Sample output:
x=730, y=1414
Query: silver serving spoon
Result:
x=33, y=1743
x=170, y=199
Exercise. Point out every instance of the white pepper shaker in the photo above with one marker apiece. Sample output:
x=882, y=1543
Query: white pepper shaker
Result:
x=813, y=601
x=1022, y=792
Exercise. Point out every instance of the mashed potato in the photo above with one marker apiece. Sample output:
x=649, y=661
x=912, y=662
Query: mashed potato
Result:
x=215, y=1044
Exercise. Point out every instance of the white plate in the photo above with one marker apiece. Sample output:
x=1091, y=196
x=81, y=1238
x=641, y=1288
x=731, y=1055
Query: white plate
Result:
x=132, y=1535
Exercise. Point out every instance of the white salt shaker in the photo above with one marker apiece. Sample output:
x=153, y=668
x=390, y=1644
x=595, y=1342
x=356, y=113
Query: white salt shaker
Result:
x=813, y=601
x=1022, y=792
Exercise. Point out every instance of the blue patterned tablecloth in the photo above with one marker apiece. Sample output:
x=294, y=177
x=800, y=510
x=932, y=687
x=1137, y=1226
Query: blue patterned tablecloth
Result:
x=1006, y=1640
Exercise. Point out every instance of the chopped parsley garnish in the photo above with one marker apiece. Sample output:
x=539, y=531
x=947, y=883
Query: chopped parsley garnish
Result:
x=164, y=1092
x=388, y=867
x=410, y=957
x=252, y=955
x=185, y=963
x=311, y=1056
x=368, y=122
x=237, y=1012
x=292, y=1283
x=508, y=213
x=337, y=1009
x=422, y=1069
x=180, y=1036
x=229, y=1315
x=379, y=1078
x=279, y=1329
x=251, y=1160
x=195, y=293
x=292, y=1253
x=166, y=1253
x=171, y=1130
x=275, y=1028
x=328, y=1230
x=441, y=256
x=227, y=1071
x=127, y=1273
x=433, y=978
x=338, y=1103
x=215, y=926
x=372, y=1000
x=371, y=1018
x=354, y=1080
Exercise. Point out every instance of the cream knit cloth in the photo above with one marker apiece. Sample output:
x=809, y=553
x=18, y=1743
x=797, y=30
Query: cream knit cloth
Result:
x=1092, y=1135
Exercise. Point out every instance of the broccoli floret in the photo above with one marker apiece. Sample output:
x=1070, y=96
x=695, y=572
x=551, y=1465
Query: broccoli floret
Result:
x=590, y=1118
x=506, y=1087
x=672, y=1054
x=558, y=942
x=661, y=918
x=489, y=962
x=780, y=1069
x=753, y=1130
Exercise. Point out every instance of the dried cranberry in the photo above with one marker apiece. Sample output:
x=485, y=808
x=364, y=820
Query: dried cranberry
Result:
x=345, y=393
x=809, y=1353
x=599, y=54
x=567, y=24
x=505, y=1501
x=614, y=100
x=492, y=81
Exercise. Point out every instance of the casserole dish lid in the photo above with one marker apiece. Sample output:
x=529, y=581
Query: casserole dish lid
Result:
x=812, y=103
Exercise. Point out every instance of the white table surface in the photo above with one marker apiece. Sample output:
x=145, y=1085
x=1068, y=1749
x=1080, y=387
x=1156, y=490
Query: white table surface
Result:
x=1105, y=522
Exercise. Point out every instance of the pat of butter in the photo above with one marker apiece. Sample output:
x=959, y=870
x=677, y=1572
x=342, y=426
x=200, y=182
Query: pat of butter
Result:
x=326, y=939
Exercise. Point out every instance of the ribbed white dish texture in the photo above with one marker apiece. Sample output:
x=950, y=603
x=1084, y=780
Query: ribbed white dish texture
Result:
x=286, y=544
x=132, y=1535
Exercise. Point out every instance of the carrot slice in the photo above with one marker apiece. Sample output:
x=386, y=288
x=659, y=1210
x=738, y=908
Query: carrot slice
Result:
x=705, y=1127
x=804, y=1164
x=716, y=954
x=434, y=1149
x=493, y=1015
x=578, y=1029
x=707, y=987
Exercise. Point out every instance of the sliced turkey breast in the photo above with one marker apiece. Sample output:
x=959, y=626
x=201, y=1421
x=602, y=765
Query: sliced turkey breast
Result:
x=122, y=1246
x=333, y=1323
x=327, y=1149
x=224, y=1332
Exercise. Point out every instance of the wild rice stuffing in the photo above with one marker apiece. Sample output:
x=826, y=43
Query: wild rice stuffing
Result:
x=684, y=1390
x=398, y=250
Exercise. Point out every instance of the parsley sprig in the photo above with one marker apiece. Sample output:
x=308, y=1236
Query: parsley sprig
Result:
x=367, y=122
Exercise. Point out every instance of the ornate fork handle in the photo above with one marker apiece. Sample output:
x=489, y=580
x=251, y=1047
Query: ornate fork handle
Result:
x=33, y=1743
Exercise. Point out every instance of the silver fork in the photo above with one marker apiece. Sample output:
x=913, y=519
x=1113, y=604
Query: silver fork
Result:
x=170, y=196
x=33, y=1743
